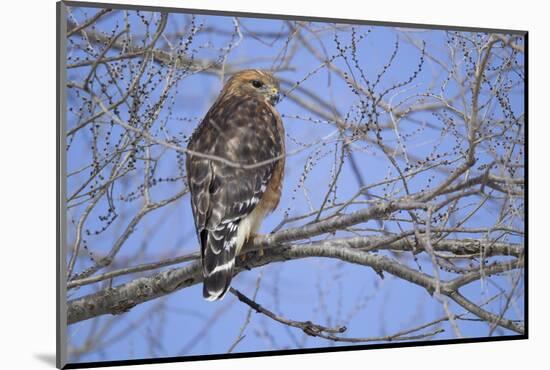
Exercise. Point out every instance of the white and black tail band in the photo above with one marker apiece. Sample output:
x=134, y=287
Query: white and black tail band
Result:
x=216, y=284
x=218, y=260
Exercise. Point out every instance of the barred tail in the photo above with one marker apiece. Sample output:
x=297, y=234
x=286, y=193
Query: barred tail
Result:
x=218, y=260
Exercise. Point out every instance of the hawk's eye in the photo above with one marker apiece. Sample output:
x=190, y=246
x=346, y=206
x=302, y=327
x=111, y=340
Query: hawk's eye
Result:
x=257, y=84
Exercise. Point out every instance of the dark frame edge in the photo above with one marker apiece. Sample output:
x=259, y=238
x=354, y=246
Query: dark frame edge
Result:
x=303, y=351
x=526, y=176
x=289, y=17
x=61, y=291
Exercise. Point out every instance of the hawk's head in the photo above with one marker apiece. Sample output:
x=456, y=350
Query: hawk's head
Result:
x=254, y=82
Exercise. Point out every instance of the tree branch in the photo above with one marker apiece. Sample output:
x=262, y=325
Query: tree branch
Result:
x=316, y=330
x=123, y=297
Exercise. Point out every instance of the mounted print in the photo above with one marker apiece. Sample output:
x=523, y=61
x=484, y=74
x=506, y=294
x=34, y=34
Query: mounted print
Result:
x=236, y=184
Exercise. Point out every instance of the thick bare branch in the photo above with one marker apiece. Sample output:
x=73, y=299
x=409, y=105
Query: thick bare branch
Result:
x=124, y=297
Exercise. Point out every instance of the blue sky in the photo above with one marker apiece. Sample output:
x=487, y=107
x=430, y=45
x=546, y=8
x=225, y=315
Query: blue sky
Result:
x=325, y=291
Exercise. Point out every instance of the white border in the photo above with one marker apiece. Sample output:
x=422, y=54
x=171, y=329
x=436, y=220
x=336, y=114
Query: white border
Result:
x=27, y=150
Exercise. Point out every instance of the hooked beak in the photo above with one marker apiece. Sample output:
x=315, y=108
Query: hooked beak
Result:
x=274, y=96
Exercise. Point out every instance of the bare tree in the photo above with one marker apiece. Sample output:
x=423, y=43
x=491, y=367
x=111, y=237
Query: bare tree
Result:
x=406, y=159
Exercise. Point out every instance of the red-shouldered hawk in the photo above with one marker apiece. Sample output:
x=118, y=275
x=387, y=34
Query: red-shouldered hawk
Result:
x=228, y=202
